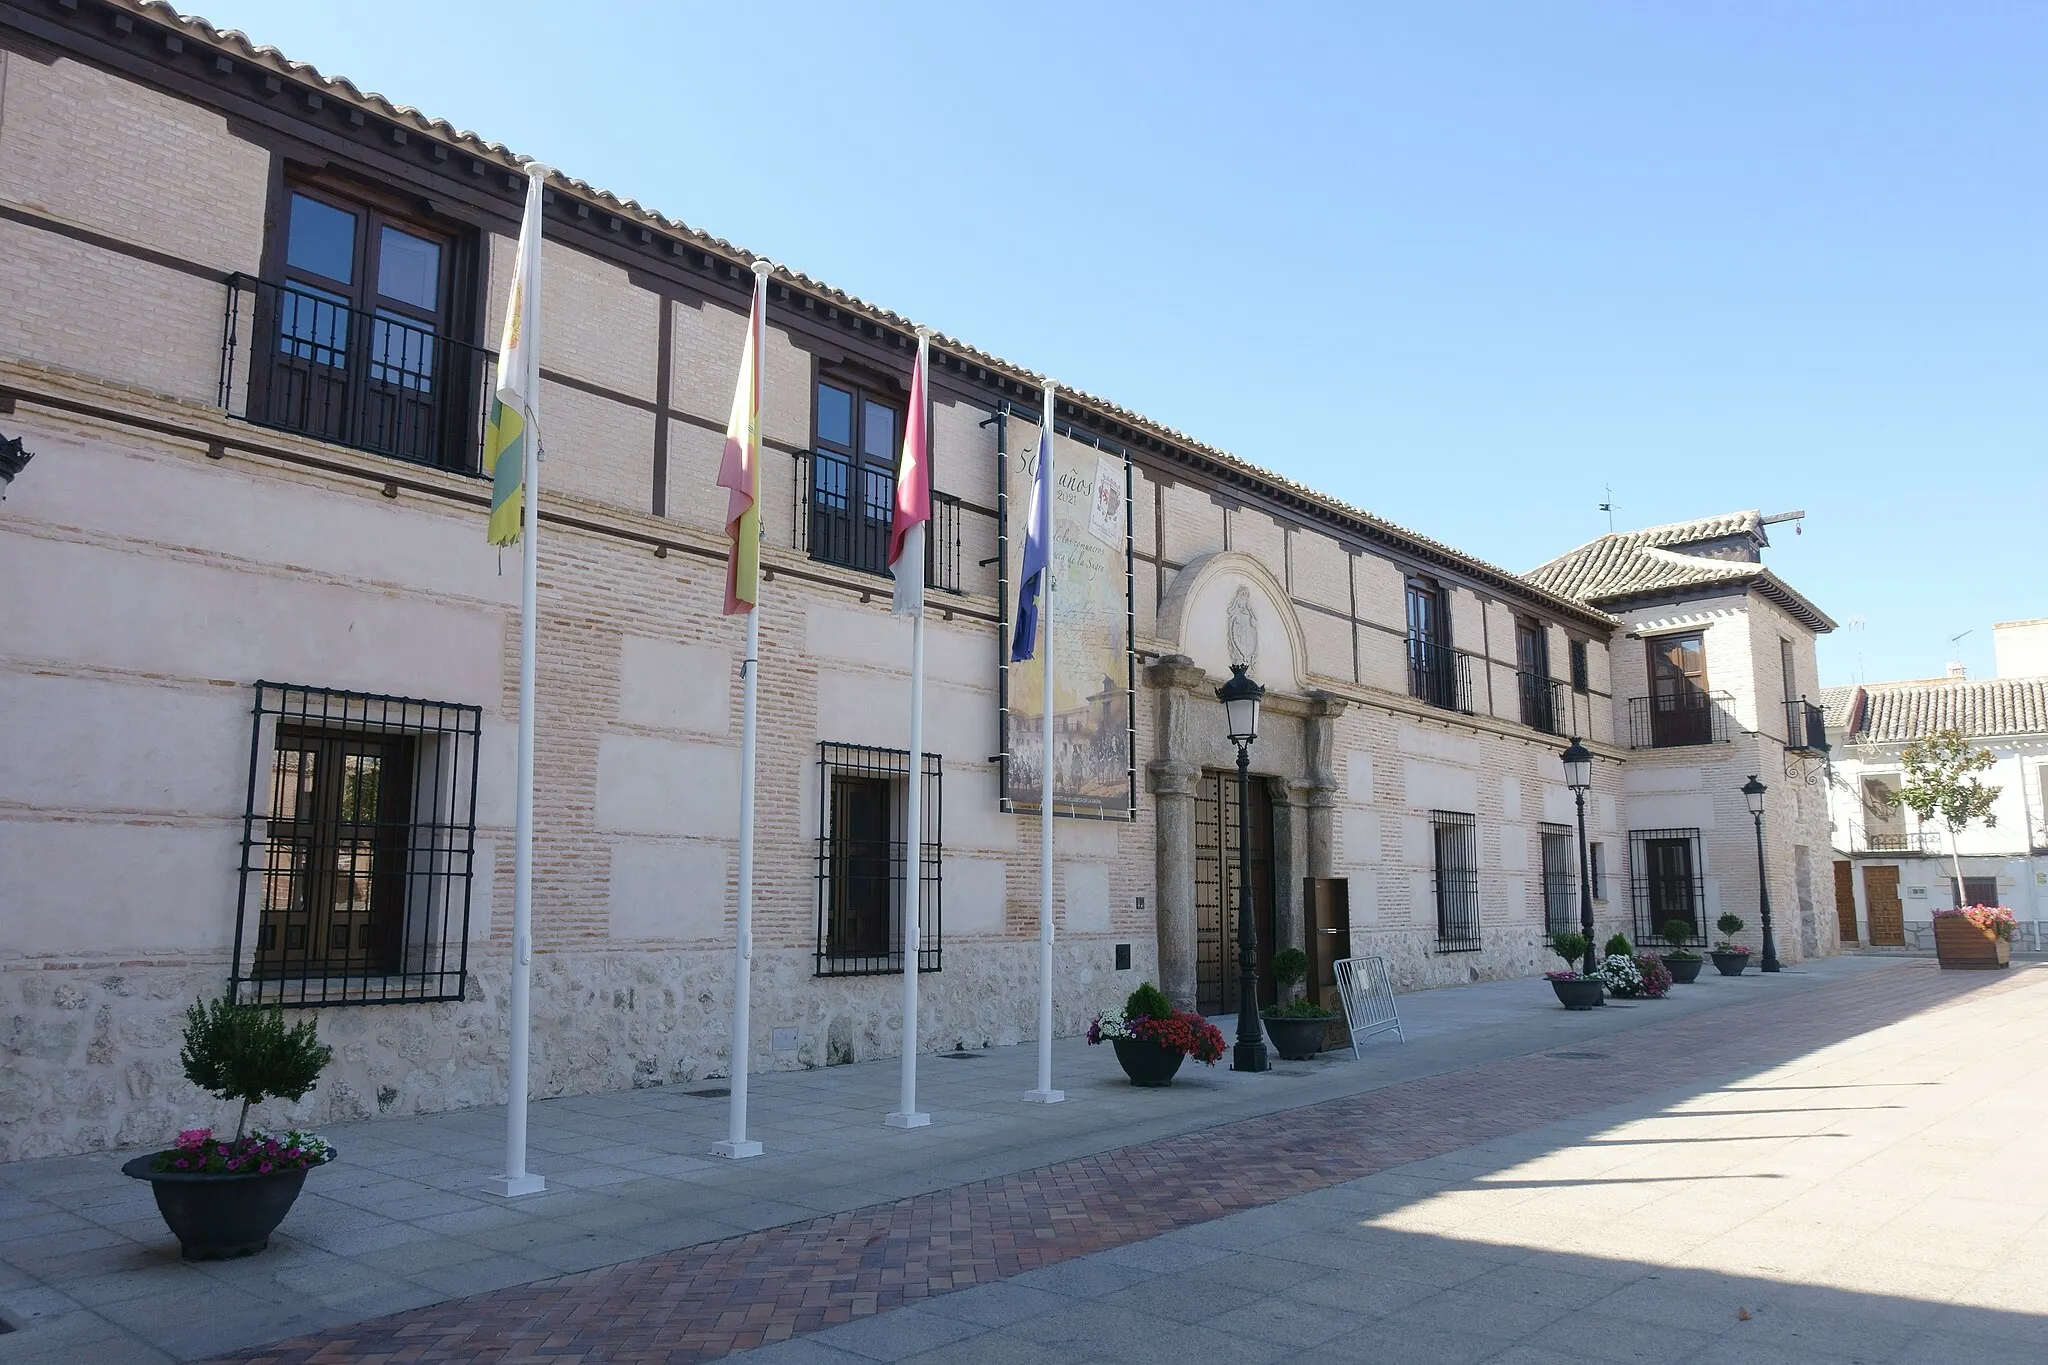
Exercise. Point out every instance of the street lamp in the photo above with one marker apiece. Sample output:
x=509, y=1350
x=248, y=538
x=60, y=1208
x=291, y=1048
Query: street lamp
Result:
x=12, y=460
x=1578, y=775
x=1753, y=795
x=1240, y=697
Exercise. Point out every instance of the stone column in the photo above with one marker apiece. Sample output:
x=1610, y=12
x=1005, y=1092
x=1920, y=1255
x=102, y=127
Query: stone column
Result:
x=1319, y=741
x=1290, y=861
x=1173, y=777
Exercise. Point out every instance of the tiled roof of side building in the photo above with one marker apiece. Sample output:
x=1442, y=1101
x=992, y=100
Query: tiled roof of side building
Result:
x=195, y=27
x=1635, y=564
x=1896, y=713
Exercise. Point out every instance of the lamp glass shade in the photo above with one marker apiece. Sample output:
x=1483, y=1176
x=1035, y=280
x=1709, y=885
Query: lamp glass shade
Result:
x=1753, y=795
x=1240, y=697
x=1578, y=766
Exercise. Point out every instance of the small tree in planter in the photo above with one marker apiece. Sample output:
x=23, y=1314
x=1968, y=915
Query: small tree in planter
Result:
x=223, y=1198
x=1152, y=1038
x=1730, y=957
x=1978, y=936
x=1574, y=990
x=1618, y=946
x=1679, y=959
x=1942, y=787
x=1297, y=1024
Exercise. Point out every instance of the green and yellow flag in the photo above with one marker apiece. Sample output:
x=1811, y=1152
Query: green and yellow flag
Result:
x=515, y=407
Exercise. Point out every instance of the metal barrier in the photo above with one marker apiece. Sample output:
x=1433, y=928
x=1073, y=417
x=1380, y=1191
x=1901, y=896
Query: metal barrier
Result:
x=1368, y=996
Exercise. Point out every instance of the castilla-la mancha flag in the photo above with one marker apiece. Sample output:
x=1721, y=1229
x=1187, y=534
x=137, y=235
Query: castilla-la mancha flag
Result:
x=913, y=496
x=740, y=470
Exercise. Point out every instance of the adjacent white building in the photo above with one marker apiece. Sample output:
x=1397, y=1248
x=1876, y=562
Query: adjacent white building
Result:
x=1891, y=870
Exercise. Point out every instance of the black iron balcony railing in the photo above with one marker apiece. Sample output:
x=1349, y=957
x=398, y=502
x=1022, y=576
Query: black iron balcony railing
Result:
x=843, y=514
x=1806, y=728
x=1544, y=706
x=1677, y=719
x=1899, y=841
x=1439, y=675
x=299, y=359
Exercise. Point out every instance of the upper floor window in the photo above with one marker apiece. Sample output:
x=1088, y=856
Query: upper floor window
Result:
x=1680, y=711
x=1787, y=671
x=856, y=436
x=353, y=331
x=1540, y=702
x=1582, y=675
x=1436, y=673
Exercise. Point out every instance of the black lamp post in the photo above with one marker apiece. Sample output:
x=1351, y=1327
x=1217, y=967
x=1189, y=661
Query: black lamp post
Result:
x=1240, y=697
x=1578, y=775
x=1753, y=794
x=12, y=459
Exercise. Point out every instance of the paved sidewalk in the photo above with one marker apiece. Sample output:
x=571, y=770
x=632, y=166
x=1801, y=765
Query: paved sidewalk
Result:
x=403, y=1221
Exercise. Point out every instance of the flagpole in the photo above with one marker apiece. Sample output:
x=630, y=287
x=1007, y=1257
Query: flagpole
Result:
x=737, y=1145
x=1045, y=1094
x=517, y=1180
x=911, y=560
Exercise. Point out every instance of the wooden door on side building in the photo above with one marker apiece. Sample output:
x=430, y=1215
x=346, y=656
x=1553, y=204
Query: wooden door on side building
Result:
x=1845, y=900
x=1217, y=971
x=1887, y=916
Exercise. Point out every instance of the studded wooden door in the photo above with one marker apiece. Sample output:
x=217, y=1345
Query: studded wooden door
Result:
x=1887, y=916
x=1845, y=901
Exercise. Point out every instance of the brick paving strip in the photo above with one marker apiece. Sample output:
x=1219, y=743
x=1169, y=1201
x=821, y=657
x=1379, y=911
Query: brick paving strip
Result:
x=707, y=1301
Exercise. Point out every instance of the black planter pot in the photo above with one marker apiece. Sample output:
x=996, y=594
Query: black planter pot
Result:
x=1146, y=1062
x=1582, y=994
x=1684, y=970
x=220, y=1217
x=1730, y=964
x=1297, y=1040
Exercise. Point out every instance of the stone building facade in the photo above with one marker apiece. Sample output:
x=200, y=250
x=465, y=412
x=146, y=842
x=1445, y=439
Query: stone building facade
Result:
x=260, y=667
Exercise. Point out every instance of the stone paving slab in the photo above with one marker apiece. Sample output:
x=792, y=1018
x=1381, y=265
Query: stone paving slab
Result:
x=886, y=1275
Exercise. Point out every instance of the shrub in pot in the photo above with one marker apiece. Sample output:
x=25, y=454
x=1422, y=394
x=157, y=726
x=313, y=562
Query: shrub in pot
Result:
x=1297, y=1024
x=1680, y=960
x=1730, y=957
x=1974, y=936
x=224, y=1197
x=1574, y=990
x=1618, y=946
x=1151, y=1038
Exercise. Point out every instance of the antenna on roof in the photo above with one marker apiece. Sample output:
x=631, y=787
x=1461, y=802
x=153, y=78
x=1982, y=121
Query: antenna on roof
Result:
x=1608, y=506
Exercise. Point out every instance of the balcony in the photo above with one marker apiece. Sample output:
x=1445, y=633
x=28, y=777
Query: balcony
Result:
x=1678, y=720
x=1440, y=675
x=1806, y=728
x=301, y=361
x=843, y=514
x=1897, y=841
x=1544, y=705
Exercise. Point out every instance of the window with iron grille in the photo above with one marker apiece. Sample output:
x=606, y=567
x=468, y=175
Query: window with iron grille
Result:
x=1456, y=881
x=1558, y=910
x=1669, y=881
x=863, y=860
x=1581, y=673
x=1596, y=855
x=358, y=845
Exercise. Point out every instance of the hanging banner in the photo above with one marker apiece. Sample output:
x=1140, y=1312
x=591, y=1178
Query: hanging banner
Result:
x=1089, y=607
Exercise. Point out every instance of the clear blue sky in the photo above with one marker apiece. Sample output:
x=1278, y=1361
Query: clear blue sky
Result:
x=1460, y=264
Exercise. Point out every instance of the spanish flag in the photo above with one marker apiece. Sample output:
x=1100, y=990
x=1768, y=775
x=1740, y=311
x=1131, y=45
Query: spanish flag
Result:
x=515, y=407
x=740, y=471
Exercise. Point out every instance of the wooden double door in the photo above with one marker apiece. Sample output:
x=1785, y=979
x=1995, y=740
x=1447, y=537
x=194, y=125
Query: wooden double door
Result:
x=1881, y=899
x=1218, y=972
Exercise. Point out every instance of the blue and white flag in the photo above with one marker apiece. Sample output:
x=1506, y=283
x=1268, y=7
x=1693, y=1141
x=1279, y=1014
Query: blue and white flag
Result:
x=1036, y=572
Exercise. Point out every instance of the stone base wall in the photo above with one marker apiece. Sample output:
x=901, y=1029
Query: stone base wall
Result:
x=91, y=1053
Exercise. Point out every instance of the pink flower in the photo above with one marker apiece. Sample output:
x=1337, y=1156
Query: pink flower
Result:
x=182, y=1164
x=264, y=1169
x=192, y=1137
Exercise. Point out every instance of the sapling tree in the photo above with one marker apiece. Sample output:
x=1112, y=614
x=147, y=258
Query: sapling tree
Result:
x=1942, y=787
x=245, y=1052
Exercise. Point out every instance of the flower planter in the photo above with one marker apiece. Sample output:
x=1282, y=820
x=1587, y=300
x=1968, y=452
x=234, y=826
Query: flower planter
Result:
x=220, y=1217
x=1964, y=946
x=1297, y=1040
x=1582, y=994
x=1684, y=970
x=1146, y=1062
x=1730, y=964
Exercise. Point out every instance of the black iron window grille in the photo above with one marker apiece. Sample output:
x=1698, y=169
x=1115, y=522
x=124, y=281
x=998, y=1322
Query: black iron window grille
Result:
x=358, y=849
x=1543, y=702
x=1668, y=880
x=1582, y=674
x=1596, y=858
x=1806, y=727
x=300, y=359
x=844, y=510
x=863, y=848
x=1559, y=911
x=1456, y=881
x=1678, y=719
x=1439, y=675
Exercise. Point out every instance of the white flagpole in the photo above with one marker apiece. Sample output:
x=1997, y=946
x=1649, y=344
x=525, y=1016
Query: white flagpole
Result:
x=517, y=1180
x=737, y=1144
x=907, y=1115
x=1045, y=1094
